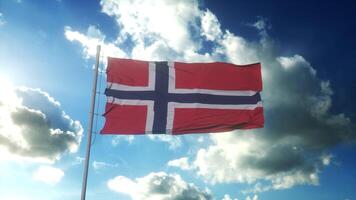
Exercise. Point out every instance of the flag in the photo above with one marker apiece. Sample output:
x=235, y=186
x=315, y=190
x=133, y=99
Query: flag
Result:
x=178, y=98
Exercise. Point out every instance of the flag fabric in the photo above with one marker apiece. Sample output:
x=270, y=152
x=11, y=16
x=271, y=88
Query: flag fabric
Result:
x=179, y=98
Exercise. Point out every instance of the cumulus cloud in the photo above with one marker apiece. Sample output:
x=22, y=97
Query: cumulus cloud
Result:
x=34, y=127
x=146, y=35
x=158, y=186
x=49, y=175
x=236, y=49
x=210, y=26
x=300, y=127
x=155, y=36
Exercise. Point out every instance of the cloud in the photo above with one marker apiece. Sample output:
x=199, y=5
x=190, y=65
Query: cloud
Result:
x=34, y=127
x=326, y=159
x=262, y=25
x=153, y=35
x=2, y=20
x=77, y=160
x=227, y=197
x=236, y=49
x=48, y=175
x=173, y=142
x=146, y=35
x=299, y=129
x=120, y=138
x=300, y=126
x=181, y=163
x=158, y=186
x=254, y=197
x=90, y=40
x=210, y=26
x=98, y=165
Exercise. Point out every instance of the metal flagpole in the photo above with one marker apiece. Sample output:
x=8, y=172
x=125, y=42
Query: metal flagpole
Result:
x=90, y=127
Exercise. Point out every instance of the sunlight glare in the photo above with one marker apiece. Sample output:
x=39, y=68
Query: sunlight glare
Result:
x=7, y=95
x=9, y=103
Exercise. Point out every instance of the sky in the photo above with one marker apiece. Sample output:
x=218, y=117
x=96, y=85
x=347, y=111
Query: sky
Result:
x=305, y=151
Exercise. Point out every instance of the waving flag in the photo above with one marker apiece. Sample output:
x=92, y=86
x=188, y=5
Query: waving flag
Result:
x=179, y=98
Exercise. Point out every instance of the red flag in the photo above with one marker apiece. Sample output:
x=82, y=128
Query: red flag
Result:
x=179, y=98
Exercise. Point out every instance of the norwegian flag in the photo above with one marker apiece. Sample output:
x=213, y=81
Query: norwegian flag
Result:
x=179, y=98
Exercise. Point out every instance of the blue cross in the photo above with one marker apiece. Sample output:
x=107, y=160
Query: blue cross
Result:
x=161, y=97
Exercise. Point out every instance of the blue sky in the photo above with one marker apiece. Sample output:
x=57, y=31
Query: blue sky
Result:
x=305, y=151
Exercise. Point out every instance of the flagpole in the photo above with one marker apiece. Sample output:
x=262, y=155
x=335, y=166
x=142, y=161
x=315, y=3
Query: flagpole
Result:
x=90, y=127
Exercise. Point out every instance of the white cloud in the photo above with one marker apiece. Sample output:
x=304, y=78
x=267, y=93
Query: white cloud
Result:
x=260, y=24
x=122, y=138
x=227, y=197
x=173, y=142
x=49, y=175
x=237, y=49
x=326, y=159
x=33, y=126
x=295, y=61
x=158, y=186
x=257, y=188
x=224, y=161
x=146, y=35
x=91, y=39
x=2, y=20
x=78, y=160
x=143, y=21
x=299, y=124
x=295, y=127
x=210, y=26
x=124, y=185
x=254, y=197
x=98, y=165
x=181, y=163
